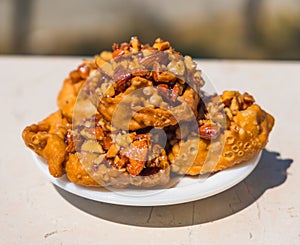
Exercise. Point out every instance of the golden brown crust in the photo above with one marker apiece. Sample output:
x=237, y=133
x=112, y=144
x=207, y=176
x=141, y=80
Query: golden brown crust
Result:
x=156, y=88
x=47, y=139
x=113, y=159
x=67, y=98
x=243, y=141
x=245, y=136
x=134, y=67
x=76, y=172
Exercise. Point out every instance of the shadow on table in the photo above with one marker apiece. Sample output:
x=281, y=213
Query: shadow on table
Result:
x=270, y=172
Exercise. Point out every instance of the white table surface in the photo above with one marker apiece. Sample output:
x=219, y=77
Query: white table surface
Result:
x=262, y=209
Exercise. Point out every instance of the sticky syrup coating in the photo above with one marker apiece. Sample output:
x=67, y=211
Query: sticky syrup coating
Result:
x=232, y=128
x=244, y=136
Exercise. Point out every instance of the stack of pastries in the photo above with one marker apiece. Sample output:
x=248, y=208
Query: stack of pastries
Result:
x=138, y=116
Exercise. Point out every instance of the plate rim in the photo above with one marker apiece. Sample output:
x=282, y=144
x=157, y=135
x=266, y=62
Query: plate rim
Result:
x=159, y=197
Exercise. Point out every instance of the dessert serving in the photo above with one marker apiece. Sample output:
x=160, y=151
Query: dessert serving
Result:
x=138, y=116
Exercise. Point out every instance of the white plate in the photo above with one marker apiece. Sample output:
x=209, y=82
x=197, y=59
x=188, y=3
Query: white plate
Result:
x=189, y=189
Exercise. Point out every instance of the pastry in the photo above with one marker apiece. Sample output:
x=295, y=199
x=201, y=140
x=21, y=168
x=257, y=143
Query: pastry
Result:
x=138, y=116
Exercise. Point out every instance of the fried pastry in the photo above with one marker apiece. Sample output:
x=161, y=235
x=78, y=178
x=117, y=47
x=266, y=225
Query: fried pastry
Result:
x=138, y=116
x=47, y=139
x=115, y=158
x=126, y=79
x=243, y=136
x=90, y=154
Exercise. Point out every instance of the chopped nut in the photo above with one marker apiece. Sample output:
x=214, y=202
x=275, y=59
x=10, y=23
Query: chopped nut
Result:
x=189, y=63
x=118, y=53
x=92, y=146
x=166, y=77
x=124, y=139
x=176, y=67
x=110, y=92
x=159, y=56
x=161, y=45
x=99, y=159
x=135, y=43
x=106, y=55
x=88, y=133
x=120, y=162
x=197, y=79
x=163, y=90
x=235, y=106
x=107, y=69
x=140, y=72
x=247, y=100
x=155, y=100
x=99, y=61
x=84, y=71
x=148, y=90
x=113, y=151
x=107, y=142
x=227, y=96
x=209, y=131
x=228, y=113
x=75, y=76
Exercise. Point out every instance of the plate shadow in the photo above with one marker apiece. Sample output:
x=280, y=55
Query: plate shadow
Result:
x=270, y=172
